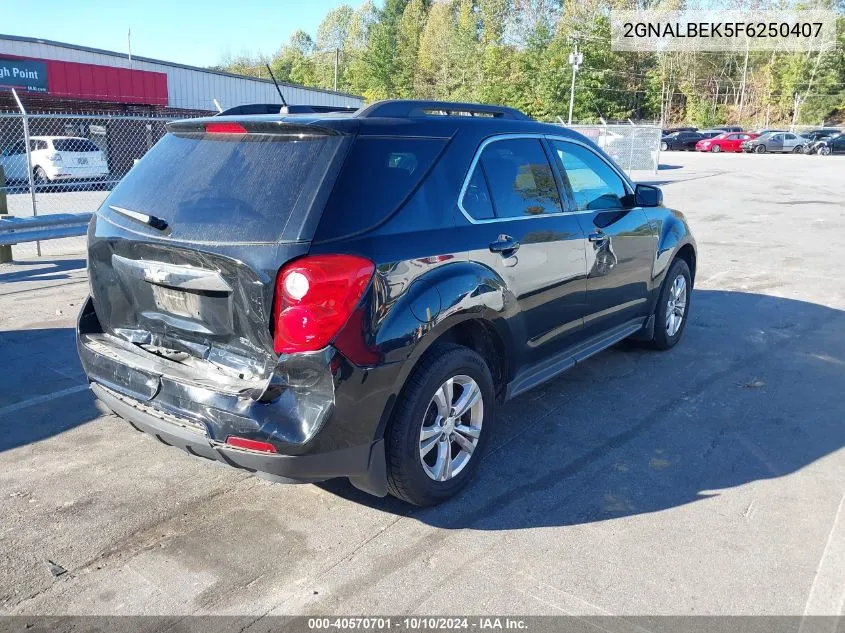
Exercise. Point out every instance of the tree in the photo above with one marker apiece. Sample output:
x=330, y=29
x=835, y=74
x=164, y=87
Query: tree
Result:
x=332, y=35
x=432, y=78
x=408, y=35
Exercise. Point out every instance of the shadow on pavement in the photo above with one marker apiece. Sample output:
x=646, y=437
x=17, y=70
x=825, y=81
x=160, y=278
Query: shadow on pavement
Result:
x=752, y=392
x=42, y=270
x=39, y=363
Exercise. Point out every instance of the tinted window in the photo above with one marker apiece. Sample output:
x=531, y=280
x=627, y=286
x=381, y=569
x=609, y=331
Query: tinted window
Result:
x=594, y=183
x=74, y=145
x=378, y=175
x=790, y=137
x=520, y=178
x=225, y=188
x=476, y=200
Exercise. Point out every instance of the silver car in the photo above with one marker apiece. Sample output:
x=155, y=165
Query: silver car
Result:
x=776, y=142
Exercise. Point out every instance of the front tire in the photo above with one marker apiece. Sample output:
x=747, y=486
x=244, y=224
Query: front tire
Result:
x=824, y=151
x=716, y=149
x=670, y=315
x=664, y=147
x=440, y=426
x=798, y=149
x=760, y=149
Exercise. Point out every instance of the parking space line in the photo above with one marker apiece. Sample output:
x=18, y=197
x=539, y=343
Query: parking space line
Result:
x=827, y=593
x=25, y=404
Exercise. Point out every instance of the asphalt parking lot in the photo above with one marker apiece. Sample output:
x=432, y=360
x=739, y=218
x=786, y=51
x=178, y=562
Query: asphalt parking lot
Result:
x=706, y=480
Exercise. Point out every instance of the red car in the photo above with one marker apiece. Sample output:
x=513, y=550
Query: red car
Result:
x=727, y=142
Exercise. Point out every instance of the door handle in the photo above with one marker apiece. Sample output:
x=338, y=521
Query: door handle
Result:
x=504, y=245
x=598, y=237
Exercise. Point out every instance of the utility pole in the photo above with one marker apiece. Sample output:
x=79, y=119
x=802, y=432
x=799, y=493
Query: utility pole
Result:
x=796, y=106
x=575, y=60
x=336, y=65
x=129, y=45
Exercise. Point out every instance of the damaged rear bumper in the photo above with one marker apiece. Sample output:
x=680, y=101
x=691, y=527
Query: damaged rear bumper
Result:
x=364, y=465
x=197, y=415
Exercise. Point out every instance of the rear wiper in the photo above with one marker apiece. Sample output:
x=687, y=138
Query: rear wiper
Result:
x=149, y=220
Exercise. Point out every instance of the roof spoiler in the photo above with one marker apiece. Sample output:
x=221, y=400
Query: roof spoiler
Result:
x=410, y=109
x=275, y=108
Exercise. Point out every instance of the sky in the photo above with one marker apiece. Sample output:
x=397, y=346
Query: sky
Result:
x=185, y=31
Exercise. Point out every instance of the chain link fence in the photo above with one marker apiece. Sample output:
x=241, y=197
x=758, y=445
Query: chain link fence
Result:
x=633, y=147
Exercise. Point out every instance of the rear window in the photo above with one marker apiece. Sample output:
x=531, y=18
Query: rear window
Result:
x=227, y=188
x=74, y=145
x=377, y=177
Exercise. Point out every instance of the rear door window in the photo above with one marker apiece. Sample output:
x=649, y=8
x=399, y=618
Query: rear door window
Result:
x=520, y=180
x=219, y=188
x=377, y=177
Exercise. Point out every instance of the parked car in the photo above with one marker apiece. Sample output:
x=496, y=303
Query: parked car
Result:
x=705, y=134
x=725, y=142
x=317, y=296
x=815, y=135
x=671, y=130
x=767, y=131
x=775, y=142
x=730, y=128
x=680, y=141
x=813, y=146
x=832, y=145
x=55, y=158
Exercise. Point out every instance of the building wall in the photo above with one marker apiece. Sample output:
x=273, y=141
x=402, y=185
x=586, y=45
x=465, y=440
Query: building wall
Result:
x=188, y=88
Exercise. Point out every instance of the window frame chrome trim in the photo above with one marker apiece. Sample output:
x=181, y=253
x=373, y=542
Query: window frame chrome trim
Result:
x=547, y=137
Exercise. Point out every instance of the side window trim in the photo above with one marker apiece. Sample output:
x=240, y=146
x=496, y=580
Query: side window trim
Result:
x=565, y=193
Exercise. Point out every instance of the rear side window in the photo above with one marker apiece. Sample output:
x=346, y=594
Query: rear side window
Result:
x=74, y=145
x=520, y=180
x=227, y=188
x=377, y=177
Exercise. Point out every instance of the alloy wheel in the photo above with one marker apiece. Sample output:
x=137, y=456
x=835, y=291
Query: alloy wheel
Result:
x=676, y=305
x=451, y=428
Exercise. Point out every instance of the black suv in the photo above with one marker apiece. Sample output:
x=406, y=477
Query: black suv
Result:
x=352, y=294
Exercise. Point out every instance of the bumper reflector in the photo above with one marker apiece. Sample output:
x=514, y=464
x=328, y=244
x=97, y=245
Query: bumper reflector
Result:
x=250, y=445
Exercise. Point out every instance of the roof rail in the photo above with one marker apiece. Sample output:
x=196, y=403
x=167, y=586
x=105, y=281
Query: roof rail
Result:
x=407, y=109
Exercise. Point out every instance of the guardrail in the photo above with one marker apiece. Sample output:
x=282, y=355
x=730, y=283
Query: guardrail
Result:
x=15, y=230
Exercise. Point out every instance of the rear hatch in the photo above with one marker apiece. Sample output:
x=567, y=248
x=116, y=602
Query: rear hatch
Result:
x=79, y=155
x=184, y=252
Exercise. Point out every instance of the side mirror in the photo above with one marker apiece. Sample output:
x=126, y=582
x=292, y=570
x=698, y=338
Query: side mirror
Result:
x=648, y=196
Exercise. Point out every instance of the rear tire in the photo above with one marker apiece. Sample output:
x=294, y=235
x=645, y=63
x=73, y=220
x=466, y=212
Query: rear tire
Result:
x=421, y=441
x=675, y=296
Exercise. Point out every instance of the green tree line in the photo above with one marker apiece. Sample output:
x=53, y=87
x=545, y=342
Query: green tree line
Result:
x=516, y=52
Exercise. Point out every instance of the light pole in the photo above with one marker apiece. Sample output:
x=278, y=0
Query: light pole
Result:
x=575, y=60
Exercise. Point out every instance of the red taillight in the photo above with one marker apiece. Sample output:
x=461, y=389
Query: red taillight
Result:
x=250, y=445
x=315, y=296
x=224, y=128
